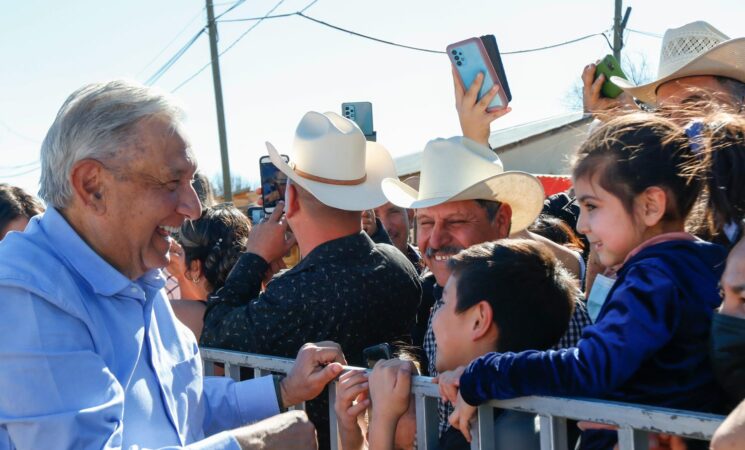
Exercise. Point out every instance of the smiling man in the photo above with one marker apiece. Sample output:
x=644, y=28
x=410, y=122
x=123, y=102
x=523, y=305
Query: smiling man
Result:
x=92, y=354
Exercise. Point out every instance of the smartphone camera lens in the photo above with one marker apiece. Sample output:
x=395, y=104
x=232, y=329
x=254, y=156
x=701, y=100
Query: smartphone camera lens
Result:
x=459, y=63
x=455, y=52
x=457, y=57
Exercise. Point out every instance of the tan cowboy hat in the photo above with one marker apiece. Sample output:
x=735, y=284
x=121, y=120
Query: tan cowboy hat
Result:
x=461, y=169
x=332, y=160
x=694, y=49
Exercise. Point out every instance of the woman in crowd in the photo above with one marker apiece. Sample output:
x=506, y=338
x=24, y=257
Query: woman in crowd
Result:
x=208, y=249
x=16, y=209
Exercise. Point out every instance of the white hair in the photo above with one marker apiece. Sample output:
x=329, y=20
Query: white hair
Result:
x=96, y=122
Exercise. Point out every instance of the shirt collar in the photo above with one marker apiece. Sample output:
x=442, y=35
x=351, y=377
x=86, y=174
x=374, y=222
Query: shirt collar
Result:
x=67, y=243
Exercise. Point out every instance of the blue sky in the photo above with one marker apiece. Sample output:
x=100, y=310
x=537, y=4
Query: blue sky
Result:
x=285, y=67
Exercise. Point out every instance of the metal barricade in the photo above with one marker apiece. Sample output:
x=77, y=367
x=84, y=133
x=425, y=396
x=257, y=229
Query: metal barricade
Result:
x=634, y=422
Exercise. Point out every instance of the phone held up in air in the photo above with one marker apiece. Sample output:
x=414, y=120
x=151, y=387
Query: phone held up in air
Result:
x=609, y=67
x=481, y=55
x=273, y=183
x=361, y=114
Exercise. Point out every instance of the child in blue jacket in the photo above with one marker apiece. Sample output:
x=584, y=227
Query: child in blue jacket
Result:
x=636, y=179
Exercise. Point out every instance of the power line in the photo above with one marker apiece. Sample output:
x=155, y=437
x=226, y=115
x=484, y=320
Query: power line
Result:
x=10, y=130
x=25, y=172
x=163, y=50
x=258, y=21
x=20, y=166
x=646, y=33
x=235, y=5
x=164, y=68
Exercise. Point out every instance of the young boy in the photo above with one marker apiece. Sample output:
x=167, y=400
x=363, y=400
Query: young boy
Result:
x=505, y=296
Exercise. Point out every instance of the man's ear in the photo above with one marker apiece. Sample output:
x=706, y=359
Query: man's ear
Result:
x=88, y=184
x=292, y=203
x=503, y=220
x=652, y=205
x=482, y=319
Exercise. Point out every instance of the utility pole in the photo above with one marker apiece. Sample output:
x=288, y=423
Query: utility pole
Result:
x=619, y=25
x=212, y=26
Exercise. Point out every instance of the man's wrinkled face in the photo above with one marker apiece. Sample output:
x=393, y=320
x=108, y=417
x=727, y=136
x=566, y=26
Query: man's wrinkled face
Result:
x=395, y=220
x=148, y=194
x=448, y=228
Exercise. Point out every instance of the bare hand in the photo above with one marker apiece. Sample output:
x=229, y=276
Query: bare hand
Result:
x=593, y=100
x=267, y=239
x=289, y=431
x=448, y=383
x=351, y=400
x=475, y=120
x=315, y=366
x=390, y=390
x=462, y=417
x=369, y=224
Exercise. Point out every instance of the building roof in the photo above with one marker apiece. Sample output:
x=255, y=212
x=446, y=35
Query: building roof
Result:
x=505, y=139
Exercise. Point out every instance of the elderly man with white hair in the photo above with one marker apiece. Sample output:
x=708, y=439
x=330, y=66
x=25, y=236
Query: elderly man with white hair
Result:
x=91, y=353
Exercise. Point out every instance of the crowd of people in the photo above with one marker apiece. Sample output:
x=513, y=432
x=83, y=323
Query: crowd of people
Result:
x=629, y=287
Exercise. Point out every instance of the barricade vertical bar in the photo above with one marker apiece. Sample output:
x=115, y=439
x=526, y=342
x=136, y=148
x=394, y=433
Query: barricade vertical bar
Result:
x=208, y=367
x=553, y=433
x=333, y=424
x=233, y=371
x=427, y=422
x=631, y=439
x=482, y=432
x=257, y=373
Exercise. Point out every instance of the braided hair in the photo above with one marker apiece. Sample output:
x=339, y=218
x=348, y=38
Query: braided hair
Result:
x=217, y=239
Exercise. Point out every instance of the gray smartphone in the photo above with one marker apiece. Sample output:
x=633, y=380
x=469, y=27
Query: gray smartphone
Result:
x=361, y=114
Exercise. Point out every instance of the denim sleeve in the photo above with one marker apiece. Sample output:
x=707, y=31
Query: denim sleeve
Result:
x=638, y=320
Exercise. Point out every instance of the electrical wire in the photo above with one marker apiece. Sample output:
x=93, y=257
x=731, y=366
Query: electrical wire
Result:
x=165, y=67
x=258, y=21
x=235, y=5
x=10, y=130
x=645, y=33
x=168, y=45
x=24, y=172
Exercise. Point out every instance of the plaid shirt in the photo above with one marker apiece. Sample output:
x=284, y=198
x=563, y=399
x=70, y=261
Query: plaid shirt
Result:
x=579, y=320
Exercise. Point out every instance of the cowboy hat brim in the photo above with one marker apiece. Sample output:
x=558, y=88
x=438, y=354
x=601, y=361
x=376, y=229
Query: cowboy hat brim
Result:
x=726, y=59
x=359, y=197
x=522, y=191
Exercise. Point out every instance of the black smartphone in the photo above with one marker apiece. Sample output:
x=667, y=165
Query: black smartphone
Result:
x=361, y=114
x=377, y=352
x=273, y=183
x=256, y=214
x=490, y=44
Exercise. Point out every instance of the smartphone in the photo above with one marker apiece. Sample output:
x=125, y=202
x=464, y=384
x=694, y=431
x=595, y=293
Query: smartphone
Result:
x=256, y=214
x=470, y=58
x=273, y=183
x=361, y=114
x=377, y=352
x=609, y=67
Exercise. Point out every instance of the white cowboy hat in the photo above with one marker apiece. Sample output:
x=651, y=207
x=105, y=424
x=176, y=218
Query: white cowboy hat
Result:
x=332, y=160
x=461, y=169
x=694, y=49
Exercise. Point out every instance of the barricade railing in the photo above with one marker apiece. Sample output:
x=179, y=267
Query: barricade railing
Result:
x=634, y=422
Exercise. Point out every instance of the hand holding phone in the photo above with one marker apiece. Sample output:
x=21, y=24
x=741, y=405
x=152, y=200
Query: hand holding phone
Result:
x=609, y=67
x=471, y=58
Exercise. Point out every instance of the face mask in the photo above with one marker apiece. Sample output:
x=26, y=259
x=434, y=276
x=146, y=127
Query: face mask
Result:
x=728, y=353
x=598, y=294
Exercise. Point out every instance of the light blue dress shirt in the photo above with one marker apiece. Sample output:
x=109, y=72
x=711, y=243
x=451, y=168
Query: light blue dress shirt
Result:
x=90, y=359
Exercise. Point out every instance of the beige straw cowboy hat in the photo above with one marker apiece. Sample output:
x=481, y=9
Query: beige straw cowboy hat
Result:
x=461, y=169
x=694, y=49
x=332, y=160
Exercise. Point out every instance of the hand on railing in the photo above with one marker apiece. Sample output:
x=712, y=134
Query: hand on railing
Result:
x=390, y=392
x=315, y=366
x=351, y=401
x=448, y=384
